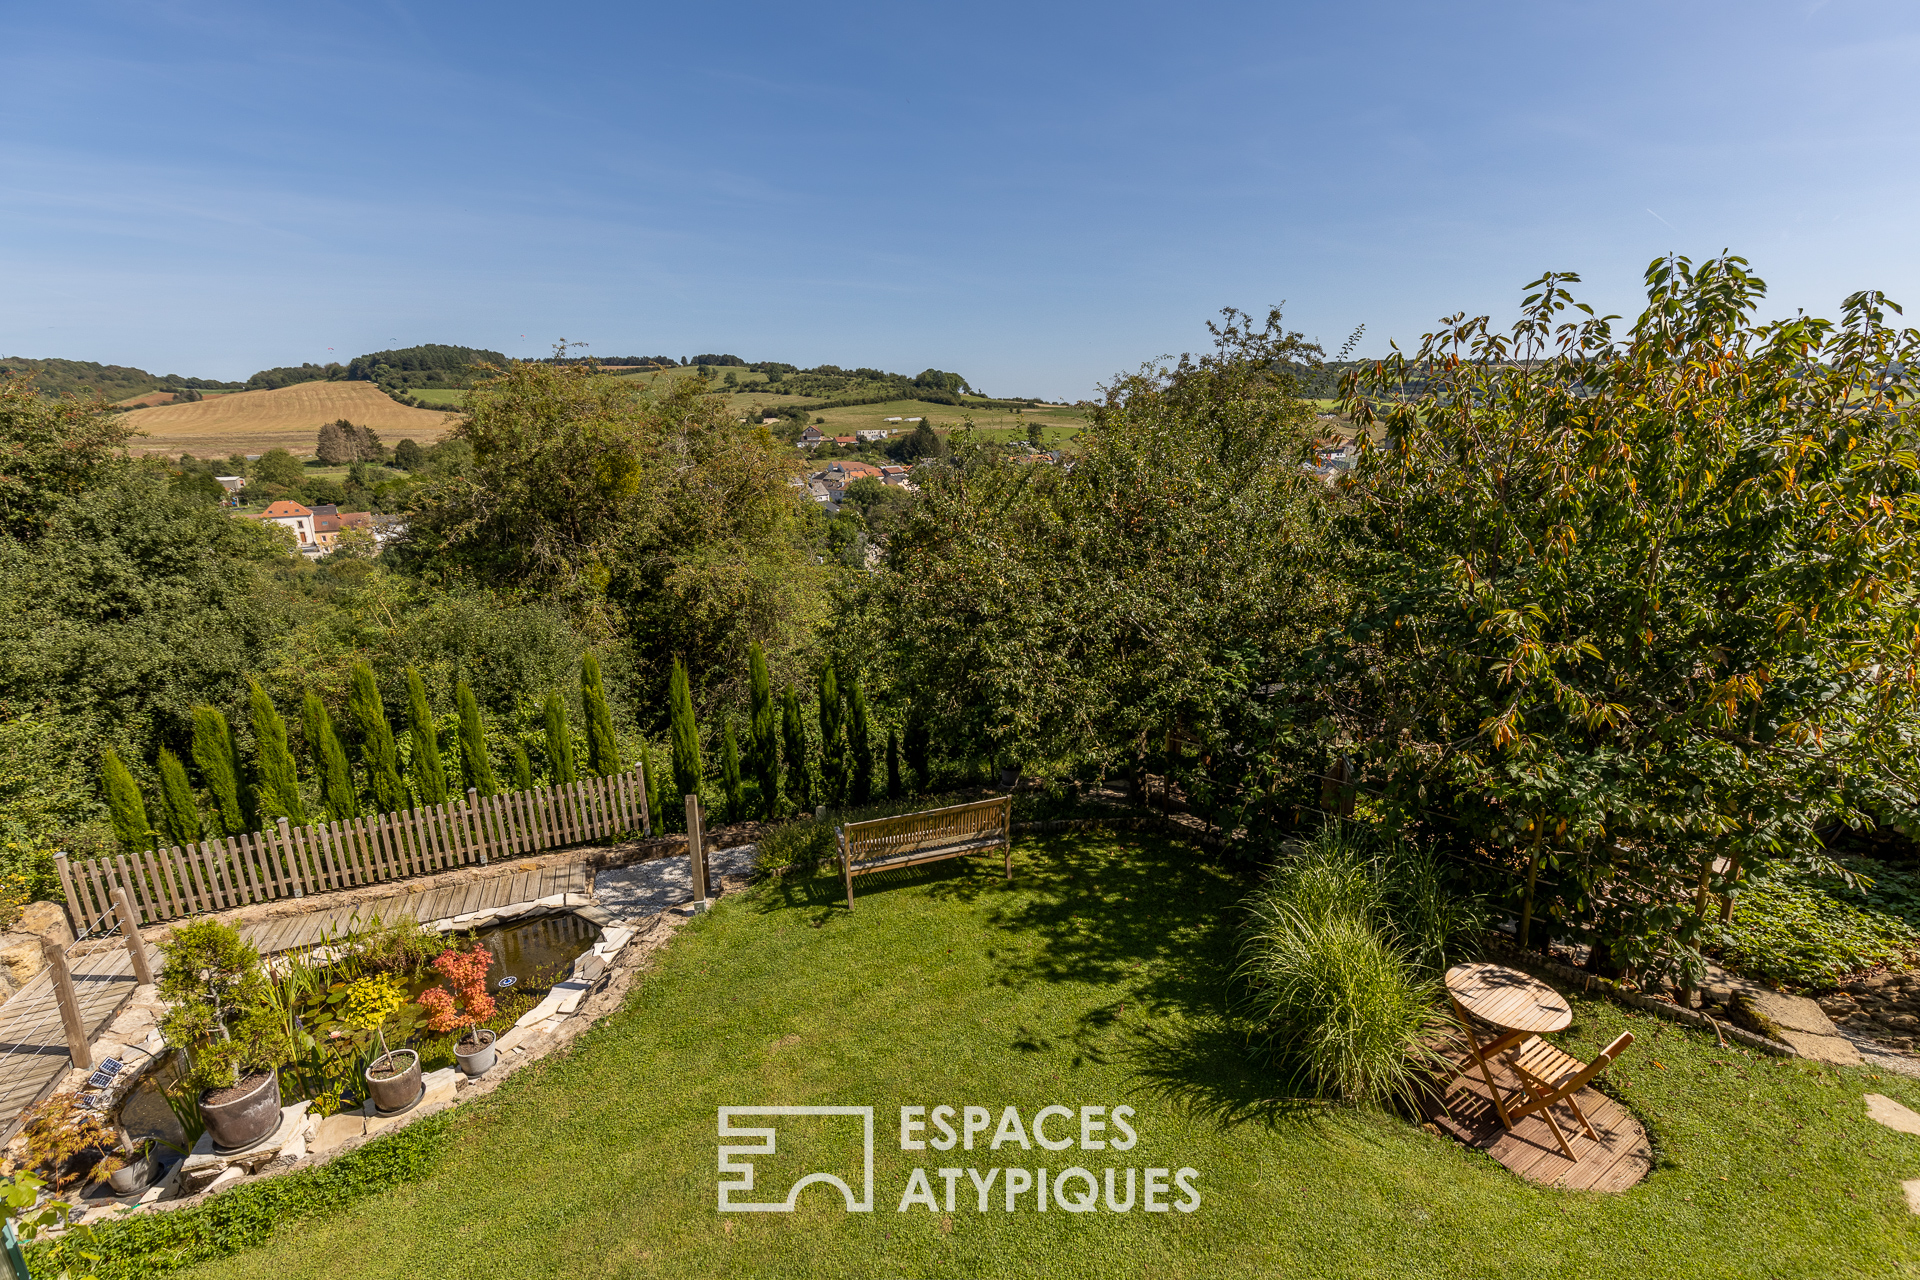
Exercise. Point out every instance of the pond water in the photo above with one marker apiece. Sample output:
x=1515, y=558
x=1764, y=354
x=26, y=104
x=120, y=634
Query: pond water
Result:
x=529, y=956
x=536, y=953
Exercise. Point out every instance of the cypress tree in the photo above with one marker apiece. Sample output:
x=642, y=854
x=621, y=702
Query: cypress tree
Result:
x=654, y=778
x=429, y=775
x=833, y=739
x=124, y=803
x=730, y=771
x=214, y=753
x=894, y=790
x=559, y=743
x=329, y=760
x=473, y=743
x=763, y=740
x=794, y=732
x=179, y=811
x=376, y=741
x=522, y=769
x=917, y=746
x=859, y=746
x=685, y=735
x=603, y=752
x=279, y=789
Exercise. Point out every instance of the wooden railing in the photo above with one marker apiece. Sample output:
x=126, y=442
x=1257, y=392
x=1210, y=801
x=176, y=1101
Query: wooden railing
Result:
x=291, y=862
x=927, y=836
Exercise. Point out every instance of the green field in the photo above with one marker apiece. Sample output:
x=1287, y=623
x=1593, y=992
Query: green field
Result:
x=441, y=398
x=1097, y=978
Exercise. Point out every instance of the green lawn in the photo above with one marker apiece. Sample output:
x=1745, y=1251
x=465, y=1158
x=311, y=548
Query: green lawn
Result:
x=1096, y=978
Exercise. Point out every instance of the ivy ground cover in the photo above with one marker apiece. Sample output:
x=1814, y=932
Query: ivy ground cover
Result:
x=1099, y=977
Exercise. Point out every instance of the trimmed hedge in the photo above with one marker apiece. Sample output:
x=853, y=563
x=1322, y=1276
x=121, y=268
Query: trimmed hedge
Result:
x=152, y=1244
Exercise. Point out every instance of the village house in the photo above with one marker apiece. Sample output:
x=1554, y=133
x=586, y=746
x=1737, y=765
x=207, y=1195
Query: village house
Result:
x=873, y=435
x=811, y=437
x=328, y=526
x=290, y=515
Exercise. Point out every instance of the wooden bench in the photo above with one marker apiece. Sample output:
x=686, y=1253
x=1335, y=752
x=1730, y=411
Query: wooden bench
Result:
x=931, y=835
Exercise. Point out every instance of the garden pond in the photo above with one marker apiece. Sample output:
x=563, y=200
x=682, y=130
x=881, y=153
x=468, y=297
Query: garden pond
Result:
x=528, y=957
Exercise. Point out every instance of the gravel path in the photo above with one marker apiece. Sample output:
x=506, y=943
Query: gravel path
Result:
x=648, y=888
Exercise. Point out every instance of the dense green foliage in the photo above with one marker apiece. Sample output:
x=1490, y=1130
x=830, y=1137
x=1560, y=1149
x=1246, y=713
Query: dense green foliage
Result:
x=1073, y=620
x=659, y=520
x=1626, y=604
x=1815, y=930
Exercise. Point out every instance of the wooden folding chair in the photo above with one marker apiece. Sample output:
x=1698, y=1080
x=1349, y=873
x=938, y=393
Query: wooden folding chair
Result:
x=1548, y=1076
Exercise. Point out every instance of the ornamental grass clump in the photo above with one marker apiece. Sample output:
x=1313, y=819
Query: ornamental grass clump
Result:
x=1341, y=957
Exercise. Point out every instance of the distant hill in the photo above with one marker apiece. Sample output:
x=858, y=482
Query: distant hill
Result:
x=110, y=381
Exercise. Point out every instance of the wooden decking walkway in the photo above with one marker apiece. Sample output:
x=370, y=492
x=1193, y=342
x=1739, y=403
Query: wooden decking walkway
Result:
x=1619, y=1160
x=33, y=1041
x=290, y=932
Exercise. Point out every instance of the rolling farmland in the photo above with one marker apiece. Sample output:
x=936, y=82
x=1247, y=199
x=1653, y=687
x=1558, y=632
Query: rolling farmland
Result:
x=290, y=418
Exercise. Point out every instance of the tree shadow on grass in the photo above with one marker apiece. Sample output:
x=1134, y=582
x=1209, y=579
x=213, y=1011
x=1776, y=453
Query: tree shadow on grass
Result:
x=1149, y=918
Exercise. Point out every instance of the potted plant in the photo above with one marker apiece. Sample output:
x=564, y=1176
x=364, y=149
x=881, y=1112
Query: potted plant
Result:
x=393, y=1077
x=462, y=1005
x=224, y=1020
x=130, y=1169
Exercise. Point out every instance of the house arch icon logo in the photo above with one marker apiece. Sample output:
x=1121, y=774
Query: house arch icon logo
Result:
x=768, y=1145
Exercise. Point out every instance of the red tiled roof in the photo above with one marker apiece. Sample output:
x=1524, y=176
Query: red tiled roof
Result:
x=283, y=510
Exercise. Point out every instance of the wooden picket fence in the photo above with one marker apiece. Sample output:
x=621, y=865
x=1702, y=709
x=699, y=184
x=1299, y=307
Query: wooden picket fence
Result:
x=291, y=862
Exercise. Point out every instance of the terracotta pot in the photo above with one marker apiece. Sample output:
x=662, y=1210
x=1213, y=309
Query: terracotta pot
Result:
x=399, y=1091
x=135, y=1176
x=245, y=1120
x=480, y=1060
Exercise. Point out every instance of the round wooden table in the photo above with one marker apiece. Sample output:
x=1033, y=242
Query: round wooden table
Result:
x=1519, y=1004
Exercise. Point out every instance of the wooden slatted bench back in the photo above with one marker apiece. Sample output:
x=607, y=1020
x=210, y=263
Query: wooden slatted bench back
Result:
x=931, y=835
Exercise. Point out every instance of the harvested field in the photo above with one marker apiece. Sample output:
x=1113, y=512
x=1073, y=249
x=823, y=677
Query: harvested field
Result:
x=290, y=419
x=146, y=401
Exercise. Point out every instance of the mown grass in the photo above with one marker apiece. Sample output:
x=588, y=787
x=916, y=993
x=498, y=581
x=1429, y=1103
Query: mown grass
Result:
x=1097, y=977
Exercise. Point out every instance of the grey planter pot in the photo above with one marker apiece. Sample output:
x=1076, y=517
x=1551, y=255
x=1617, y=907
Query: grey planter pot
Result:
x=245, y=1120
x=395, y=1092
x=481, y=1060
x=135, y=1176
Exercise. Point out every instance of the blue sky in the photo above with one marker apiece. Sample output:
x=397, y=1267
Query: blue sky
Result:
x=1035, y=195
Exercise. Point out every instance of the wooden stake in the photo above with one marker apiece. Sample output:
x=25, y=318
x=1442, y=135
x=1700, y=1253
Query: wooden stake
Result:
x=696, y=847
x=130, y=930
x=77, y=1047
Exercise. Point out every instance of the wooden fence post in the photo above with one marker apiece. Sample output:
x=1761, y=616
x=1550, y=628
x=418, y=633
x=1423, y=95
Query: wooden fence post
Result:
x=130, y=929
x=477, y=816
x=696, y=848
x=78, y=917
x=77, y=1046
